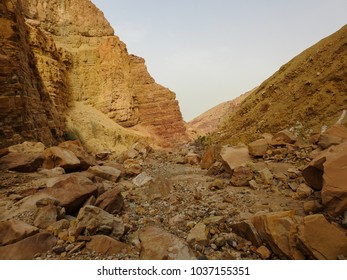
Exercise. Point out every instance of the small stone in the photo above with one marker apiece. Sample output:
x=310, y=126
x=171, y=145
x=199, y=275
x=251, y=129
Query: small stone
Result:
x=69, y=247
x=193, y=159
x=263, y=252
x=241, y=176
x=266, y=176
x=253, y=185
x=105, y=172
x=132, y=167
x=58, y=249
x=76, y=248
x=142, y=179
x=216, y=185
x=303, y=191
x=198, y=234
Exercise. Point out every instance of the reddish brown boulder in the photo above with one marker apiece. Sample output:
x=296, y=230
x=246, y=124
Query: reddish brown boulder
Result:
x=321, y=240
x=86, y=160
x=313, y=173
x=105, y=172
x=27, y=248
x=258, y=148
x=241, y=176
x=4, y=152
x=111, y=201
x=247, y=230
x=283, y=137
x=235, y=157
x=335, y=135
x=21, y=162
x=132, y=167
x=46, y=216
x=103, y=244
x=59, y=157
x=209, y=157
x=278, y=231
x=334, y=191
x=13, y=231
x=71, y=191
x=157, y=244
x=92, y=220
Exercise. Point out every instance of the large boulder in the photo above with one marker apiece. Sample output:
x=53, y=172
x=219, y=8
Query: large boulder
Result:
x=335, y=135
x=334, y=191
x=71, y=191
x=59, y=157
x=209, y=157
x=29, y=247
x=13, y=231
x=21, y=162
x=278, y=231
x=157, y=244
x=258, y=148
x=283, y=137
x=103, y=244
x=92, y=220
x=313, y=173
x=233, y=157
x=321, y=240
x=27, y=148
x=86, y=160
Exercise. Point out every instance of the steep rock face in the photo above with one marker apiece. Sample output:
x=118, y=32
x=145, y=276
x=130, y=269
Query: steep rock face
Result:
x=26, y=111
x=102, y=73
x=308, y=92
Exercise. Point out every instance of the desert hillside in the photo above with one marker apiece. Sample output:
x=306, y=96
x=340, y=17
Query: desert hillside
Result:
x=308, y=92
x=209, y=121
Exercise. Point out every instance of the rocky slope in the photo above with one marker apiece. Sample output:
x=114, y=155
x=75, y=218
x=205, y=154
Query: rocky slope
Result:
x=209, y=121
x=77, y=59
x=255, y=202
x=307, y=93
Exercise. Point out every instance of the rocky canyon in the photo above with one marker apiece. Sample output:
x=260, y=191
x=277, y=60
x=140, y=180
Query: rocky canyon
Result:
x=61, y=58
x=96, y=162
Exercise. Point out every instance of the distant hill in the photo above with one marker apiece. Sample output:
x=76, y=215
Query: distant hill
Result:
x=308, y=92
x=209, y=121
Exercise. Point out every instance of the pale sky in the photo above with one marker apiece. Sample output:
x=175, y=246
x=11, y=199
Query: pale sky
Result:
x=210, y=51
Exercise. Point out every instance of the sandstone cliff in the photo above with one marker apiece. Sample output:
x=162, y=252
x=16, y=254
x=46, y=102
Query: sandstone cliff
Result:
x=307, y=93
x=78, y=60
x=26, y=110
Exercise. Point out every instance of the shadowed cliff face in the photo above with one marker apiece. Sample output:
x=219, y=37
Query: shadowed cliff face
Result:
x=26, y=111
x=71, y=50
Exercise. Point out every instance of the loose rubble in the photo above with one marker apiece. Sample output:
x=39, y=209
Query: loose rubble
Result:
x=270, y=200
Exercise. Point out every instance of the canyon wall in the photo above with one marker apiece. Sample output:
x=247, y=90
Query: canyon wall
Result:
x=78, y=59
x=26, y=110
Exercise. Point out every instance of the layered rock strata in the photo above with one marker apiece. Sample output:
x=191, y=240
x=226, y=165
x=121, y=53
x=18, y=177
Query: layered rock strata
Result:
x=26, y=110
x=103, y=74
x=58, y=53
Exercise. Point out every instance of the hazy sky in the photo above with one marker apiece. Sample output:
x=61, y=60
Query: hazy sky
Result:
x=210, y=51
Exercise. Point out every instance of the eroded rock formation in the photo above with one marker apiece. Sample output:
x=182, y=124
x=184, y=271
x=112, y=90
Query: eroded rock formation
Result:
x=66, y=53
